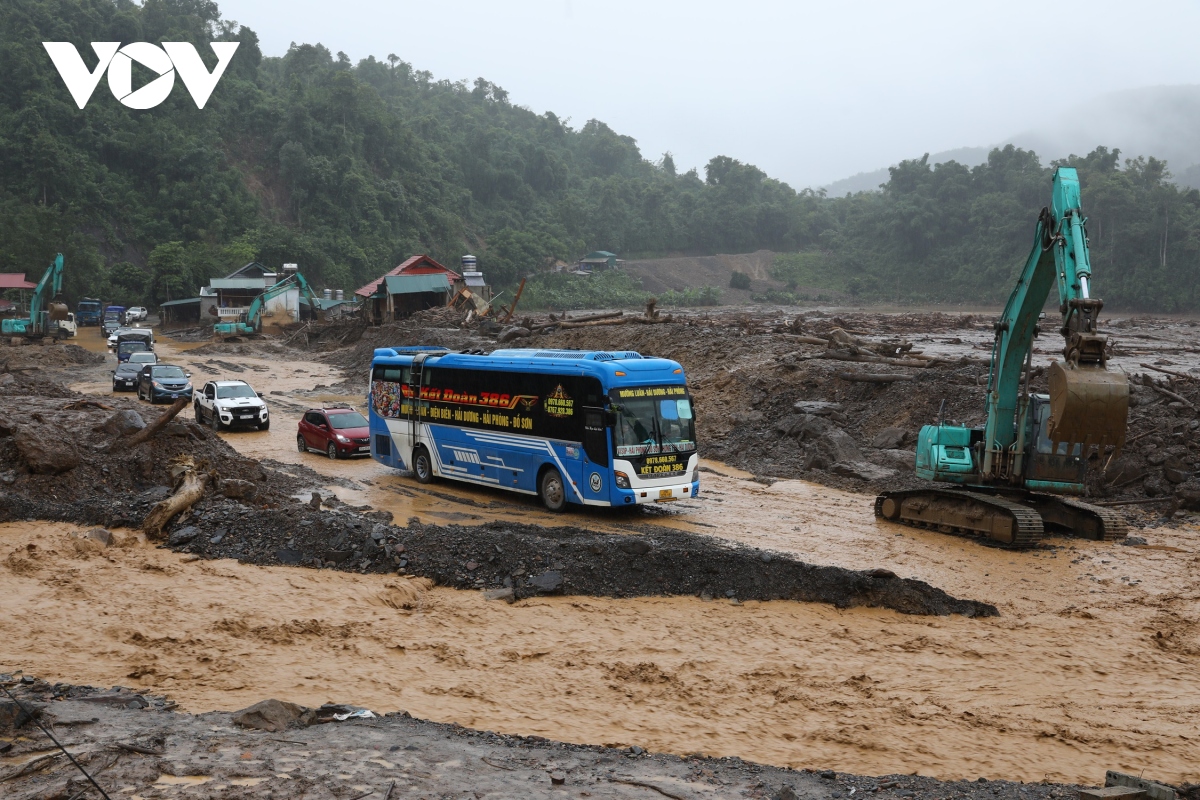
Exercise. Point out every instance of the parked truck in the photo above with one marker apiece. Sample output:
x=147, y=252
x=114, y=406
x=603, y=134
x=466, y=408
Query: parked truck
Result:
x=88, y=312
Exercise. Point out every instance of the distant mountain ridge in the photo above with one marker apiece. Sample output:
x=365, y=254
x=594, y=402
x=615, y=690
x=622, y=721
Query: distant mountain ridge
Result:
x=1158, y=121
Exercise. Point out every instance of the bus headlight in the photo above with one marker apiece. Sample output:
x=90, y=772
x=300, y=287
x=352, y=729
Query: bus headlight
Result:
x=622, y=480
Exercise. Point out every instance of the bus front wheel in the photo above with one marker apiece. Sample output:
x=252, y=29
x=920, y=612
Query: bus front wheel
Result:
x=422, y=465
x=552, y=490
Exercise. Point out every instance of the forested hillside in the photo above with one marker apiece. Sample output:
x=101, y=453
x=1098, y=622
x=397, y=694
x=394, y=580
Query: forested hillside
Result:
x=348, y=168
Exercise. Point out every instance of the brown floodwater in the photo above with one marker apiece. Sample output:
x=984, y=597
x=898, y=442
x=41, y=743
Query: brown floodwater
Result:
x=1091, y=665
x=1064, y=685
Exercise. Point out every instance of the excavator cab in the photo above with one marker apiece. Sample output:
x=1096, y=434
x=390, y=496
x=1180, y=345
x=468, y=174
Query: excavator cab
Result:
x=1052, y=467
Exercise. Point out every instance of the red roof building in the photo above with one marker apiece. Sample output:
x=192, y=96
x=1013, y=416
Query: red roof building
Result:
x=15, y=280
x=417, y=265
x=420, y=282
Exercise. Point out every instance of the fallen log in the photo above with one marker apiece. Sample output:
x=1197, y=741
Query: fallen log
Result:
x=1183, y=375
x=843, y=355
x=567, y=322
x=189, y=489
x=593, y=317
x=873, y=377
x=598, y=323
x=1170, y=394
x=125, y=442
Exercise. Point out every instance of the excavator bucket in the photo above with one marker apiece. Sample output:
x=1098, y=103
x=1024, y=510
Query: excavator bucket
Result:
x=1088, y=405
x=58, y=311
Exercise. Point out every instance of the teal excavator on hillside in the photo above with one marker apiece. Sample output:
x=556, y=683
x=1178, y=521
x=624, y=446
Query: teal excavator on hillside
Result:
x=252, y=323
x=1013, y=473
x=44, y=307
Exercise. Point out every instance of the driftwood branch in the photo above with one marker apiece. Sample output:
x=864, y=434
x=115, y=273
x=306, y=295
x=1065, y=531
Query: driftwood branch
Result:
x=869, y=377
x=150, y=430
x=1183, y=375
x=566, y=322
x=191, y=483
x=1169, y=393
x=598, y=323
x=303, y=329
x=846, y=355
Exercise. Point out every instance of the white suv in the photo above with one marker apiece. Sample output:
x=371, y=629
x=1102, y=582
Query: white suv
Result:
x=224, y=404
x=136, y=314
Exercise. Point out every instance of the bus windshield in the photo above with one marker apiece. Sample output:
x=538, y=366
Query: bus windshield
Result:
x=653, y=420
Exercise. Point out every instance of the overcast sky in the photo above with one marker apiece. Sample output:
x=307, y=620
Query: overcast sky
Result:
x=808, y=91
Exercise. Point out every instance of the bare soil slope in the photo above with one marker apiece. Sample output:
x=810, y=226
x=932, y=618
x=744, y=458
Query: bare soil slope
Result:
x=661, y=274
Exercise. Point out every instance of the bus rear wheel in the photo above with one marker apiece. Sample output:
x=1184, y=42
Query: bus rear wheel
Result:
x=553, y=491
x=422, y=465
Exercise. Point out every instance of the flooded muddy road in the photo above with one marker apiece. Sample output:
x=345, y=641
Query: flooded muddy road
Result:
x=1091, y=665
x=1062, y=688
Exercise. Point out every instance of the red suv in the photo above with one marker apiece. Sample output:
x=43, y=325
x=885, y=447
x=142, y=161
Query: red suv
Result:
x=336, y=432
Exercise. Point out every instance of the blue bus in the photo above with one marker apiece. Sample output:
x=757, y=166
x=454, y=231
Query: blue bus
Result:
x=570, y=426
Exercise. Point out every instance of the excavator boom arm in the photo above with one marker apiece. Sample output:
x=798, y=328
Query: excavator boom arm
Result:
x=1089, y=405
x=254, y=313
x=49, y=287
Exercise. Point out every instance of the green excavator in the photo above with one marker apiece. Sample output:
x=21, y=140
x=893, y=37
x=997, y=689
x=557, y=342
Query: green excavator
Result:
x=44, y=307
x=252, y=324
x=1014, y=477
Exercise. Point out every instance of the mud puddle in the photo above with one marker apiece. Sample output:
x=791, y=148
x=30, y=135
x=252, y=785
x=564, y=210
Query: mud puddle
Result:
x=1064, y=691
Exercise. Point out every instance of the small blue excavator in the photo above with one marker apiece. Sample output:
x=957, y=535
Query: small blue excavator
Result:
x=44, y=307
x=1014, y=476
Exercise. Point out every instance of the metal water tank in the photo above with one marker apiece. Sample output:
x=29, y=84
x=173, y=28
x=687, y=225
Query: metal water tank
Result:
x=340, y=294
x=328, y=294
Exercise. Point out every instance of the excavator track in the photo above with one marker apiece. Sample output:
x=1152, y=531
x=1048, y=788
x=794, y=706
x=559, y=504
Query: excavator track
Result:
x=1082, y=519
x=999, y=519
x=1014, y=522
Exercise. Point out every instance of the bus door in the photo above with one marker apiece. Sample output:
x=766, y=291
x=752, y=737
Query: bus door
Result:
x=594, y=483
x=415, y=434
